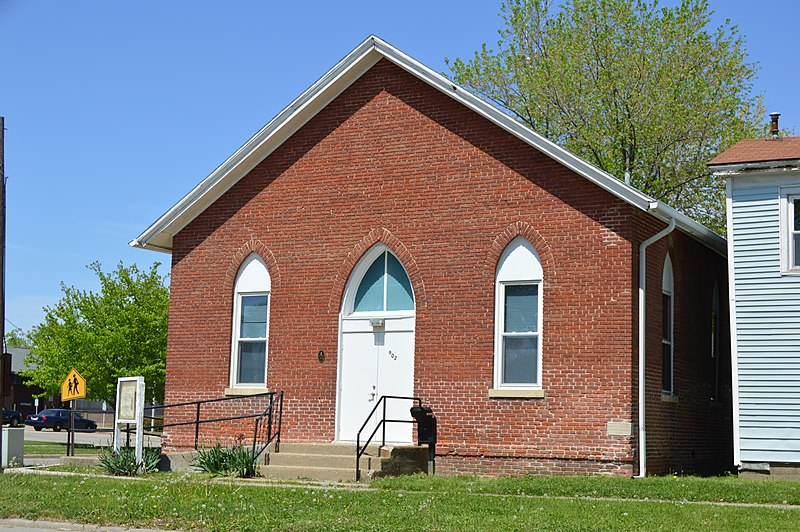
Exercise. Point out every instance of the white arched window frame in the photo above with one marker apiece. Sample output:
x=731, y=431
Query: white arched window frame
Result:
x=249, y=345
x=391, y=294
x=518, y=317
x=668, y=328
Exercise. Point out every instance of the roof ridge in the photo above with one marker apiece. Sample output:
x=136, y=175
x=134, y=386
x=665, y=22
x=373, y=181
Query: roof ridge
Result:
x=158, y=236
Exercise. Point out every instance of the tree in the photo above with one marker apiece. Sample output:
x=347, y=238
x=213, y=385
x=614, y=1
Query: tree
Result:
x=16, y=338
x=119, y=332
x=628, y=86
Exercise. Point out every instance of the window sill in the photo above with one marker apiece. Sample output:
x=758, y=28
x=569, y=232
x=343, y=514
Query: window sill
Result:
x=506, y=393
x=667, y=397
x=244, y=391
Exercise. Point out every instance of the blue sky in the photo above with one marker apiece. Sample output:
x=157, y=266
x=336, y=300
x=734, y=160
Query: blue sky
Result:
x=115, y=110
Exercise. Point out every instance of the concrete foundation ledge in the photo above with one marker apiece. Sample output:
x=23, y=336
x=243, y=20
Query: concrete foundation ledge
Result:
x=80, y=461
x=181, y=462
x=770, y=471
x=404, y=460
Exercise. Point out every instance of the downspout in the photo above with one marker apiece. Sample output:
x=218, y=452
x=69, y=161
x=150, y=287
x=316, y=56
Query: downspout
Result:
x=642, y=285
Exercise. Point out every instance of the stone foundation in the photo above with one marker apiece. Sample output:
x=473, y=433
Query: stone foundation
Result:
x=517, y=466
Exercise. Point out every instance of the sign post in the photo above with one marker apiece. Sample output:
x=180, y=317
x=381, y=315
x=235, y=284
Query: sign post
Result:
x=73, y=387
x=130, y=410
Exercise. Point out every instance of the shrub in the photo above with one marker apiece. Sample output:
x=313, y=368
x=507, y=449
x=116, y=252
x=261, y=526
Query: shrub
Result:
x=123, y=463
x=236, y=461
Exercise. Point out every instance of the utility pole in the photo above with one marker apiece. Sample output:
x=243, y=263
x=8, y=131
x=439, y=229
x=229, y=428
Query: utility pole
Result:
x=2, y=264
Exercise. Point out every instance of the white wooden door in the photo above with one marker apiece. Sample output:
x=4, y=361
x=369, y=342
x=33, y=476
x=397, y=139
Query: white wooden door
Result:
x=375, y=361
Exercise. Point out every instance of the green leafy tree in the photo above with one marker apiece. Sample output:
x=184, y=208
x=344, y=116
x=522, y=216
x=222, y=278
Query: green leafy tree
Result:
x=628, y=86
x=119, y=332
x=16, y=338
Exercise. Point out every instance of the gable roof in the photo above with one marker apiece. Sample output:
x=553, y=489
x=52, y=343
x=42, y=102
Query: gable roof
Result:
x=18, y=355
x=158, y=236
x=759, y=150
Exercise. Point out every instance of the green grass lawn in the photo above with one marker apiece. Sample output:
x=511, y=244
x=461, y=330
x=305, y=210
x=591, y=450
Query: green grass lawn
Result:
x=729, y=489
x=47, y=447
x=171, y=500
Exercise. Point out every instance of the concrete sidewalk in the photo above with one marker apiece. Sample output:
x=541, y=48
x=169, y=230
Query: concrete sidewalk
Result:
x=26, y=525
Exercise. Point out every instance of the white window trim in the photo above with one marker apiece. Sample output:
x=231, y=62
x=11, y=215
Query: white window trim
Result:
x=237, y=322
x=786, y=209
x=499, y=322
x=235, y=387
x=500, y=334
x=669, y=291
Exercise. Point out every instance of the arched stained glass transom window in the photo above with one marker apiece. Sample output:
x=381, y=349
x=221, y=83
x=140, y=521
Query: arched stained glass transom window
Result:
x=384, y=287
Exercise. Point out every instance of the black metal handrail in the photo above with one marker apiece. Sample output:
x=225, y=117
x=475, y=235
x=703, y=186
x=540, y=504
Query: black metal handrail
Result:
x=259, y=416
x=198, y=404
x=268, y=416
x=382, y=424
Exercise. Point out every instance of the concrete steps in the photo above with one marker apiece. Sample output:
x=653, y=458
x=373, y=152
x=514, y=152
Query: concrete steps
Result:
x=336, y=462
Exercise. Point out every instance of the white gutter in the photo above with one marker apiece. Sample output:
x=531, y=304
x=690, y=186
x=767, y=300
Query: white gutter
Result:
x=722, y=170
x=642, y=285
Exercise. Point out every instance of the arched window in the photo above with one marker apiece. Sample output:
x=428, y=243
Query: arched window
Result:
x=715, y=341
x=667, y=328
x=384, y=286
x=518, y=317
x=250, y=324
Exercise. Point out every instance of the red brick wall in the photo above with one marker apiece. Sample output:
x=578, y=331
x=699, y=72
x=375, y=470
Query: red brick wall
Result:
x=694, y=434
x=392, y=160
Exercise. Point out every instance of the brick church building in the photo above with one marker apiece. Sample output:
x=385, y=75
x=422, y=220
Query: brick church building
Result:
x=389, y=233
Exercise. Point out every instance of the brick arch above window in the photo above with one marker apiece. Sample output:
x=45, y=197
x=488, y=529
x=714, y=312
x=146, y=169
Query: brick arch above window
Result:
x=385, y=237
x=506, y=236
x=259, y=248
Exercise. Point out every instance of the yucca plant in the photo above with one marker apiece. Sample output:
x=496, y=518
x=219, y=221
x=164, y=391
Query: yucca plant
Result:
x=122, y=463
x=236, y=461
x=211, y=460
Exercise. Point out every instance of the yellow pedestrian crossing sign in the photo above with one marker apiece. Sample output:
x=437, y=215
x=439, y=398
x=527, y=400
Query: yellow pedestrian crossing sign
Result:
x=74, y=386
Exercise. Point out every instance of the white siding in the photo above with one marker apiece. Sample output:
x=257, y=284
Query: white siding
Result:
x=767, y=310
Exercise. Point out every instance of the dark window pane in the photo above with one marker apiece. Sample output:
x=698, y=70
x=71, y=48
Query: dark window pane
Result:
x=369, y=295
x=522, y=307
x=254, y=317
x=714, y=335
x=666, y=314
x=252, y=362
x=666, y=367
x=519, y=360
x=796, y=247
x=796, y=209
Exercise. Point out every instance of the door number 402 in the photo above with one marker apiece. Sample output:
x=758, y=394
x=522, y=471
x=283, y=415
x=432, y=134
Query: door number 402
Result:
x=393, y=355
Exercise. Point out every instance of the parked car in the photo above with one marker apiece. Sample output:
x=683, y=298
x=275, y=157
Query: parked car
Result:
x=57, y=419
x=11, y=417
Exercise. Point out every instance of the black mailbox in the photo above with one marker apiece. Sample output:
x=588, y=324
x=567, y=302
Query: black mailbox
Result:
x=426, y=424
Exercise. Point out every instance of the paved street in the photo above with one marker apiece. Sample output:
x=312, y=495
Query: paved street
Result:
x=100, y=439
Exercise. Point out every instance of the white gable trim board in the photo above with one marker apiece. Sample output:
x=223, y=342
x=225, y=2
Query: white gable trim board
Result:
x=158, y=236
